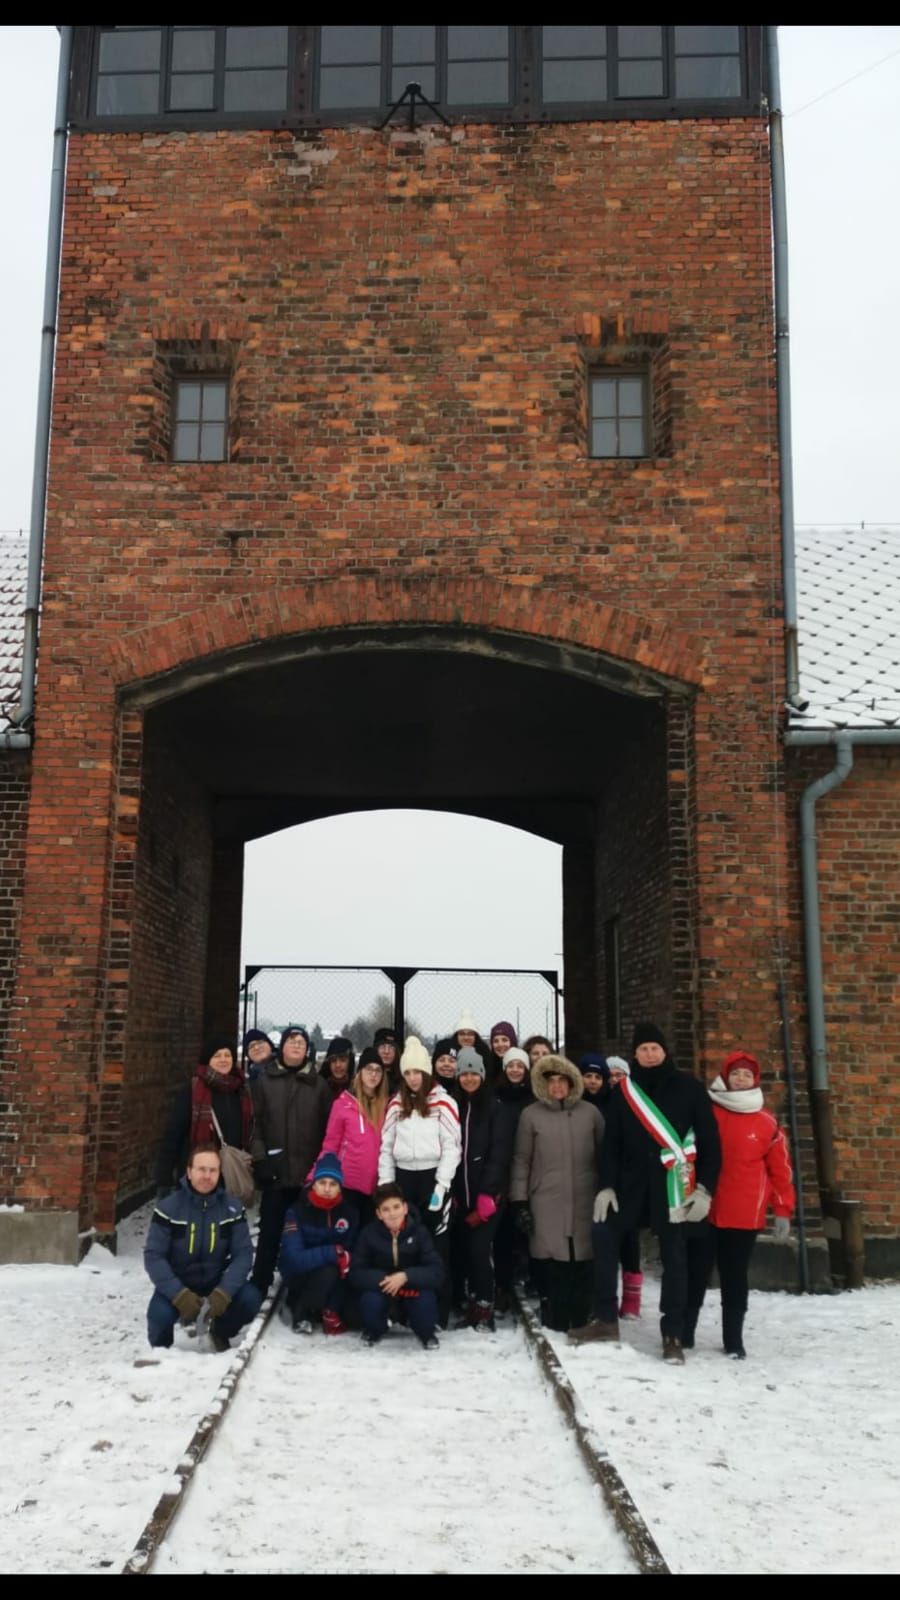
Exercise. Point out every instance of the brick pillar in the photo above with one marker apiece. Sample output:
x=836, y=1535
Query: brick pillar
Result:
x=223, y=953
x=583, y=1030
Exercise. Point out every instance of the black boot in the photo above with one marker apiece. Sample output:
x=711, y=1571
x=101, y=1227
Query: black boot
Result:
x=733, y=1333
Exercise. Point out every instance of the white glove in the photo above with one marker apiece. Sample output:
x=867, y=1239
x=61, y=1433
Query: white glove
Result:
x=602, y=1202
x=782, y=1230
x=437, y=1199
x=696, y=1206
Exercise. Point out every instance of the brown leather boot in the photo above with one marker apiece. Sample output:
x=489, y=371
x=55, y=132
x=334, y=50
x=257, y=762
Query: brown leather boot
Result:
x=672, y=1351
x=593, y=1332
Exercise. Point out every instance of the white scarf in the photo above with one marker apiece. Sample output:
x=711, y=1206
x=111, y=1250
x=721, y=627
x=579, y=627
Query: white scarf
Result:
x=735, y=1099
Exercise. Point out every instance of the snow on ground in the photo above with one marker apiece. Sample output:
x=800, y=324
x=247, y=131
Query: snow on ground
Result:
x=784, y=1463
x=340, y=1459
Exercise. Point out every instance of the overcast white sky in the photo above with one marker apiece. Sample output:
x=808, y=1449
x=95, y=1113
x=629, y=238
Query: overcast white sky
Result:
x=399, y=887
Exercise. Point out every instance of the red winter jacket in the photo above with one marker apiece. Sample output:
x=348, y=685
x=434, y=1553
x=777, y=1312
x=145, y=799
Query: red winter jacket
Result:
x=756, y=1170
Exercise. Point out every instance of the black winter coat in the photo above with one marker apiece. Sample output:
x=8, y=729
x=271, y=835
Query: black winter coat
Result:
x=374, y=1257
x=487, y=1132
x=175, y=1147
x=630, y=1157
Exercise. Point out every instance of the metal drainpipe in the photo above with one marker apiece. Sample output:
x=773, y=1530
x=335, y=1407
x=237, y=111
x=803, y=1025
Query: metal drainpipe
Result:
x=18, y=736
x=846, y=1212
x=783, y=371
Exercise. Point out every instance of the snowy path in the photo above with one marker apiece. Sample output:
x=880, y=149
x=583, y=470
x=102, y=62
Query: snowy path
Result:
x=338, y=1459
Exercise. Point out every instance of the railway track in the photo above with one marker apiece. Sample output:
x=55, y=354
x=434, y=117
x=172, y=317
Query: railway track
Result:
x=321, y=1456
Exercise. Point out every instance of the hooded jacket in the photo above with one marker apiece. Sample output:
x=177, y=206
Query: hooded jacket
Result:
x=198, y=1241
x=756, y=1165
x=554, y=1168
x=355, y=1143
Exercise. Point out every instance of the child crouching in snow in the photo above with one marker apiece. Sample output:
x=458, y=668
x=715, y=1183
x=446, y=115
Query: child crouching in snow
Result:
x=756, y=1174
x=319, y=1232
x=396, y=1271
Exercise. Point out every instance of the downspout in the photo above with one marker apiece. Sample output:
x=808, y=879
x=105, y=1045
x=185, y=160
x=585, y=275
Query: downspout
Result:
x=783, y=372
x=846, y=1212
x=18, y=735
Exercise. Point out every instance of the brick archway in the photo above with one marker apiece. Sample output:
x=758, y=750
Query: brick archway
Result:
x=564, y=616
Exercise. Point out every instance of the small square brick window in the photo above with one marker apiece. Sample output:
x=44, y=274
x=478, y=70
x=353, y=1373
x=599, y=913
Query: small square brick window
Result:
x=200, y=419
x=619, y=414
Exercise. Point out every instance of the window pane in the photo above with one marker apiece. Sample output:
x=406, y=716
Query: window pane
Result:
x=631, y=397
x=422, y=75
x=631, y=438
x=473, y=44
x=187, y=400
x=193, y=49
x=349, y=86
x=574, y=80
x=707, y=77
x=603, y=397
x=412, y=43
x=350, y=44
x=255, y=91
x=723, y=37
x=603, y=439
x=256, y=47
x=212, y=442
x=187, y=442
x=137, y=94
x=214, y=401
x=192, y=91
x=638, y=80
x=644, y=41
x=574, y=41
x=130, y=49
x=478, y=83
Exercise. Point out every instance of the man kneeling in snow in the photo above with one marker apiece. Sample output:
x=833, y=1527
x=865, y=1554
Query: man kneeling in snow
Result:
x=198, y=1251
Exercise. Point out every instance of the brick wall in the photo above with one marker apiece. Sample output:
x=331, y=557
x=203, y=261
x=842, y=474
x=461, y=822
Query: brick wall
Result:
x=409, y=320
x=15, y=776
x=858, y=832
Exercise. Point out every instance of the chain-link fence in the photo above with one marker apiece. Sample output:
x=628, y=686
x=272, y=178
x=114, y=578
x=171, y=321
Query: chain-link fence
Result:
x=426, y=1001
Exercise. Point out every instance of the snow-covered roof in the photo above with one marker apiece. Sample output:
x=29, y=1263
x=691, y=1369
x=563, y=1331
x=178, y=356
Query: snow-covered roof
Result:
x=13, y=570
x=848, y=606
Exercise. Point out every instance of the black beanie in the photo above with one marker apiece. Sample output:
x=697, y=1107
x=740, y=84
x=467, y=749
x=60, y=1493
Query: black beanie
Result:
x=648, y=1033
x=340, y=1047
x=219, y=1041
x=370, y=1058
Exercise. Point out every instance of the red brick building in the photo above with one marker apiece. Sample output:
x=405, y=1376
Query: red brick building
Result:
x=390, y=431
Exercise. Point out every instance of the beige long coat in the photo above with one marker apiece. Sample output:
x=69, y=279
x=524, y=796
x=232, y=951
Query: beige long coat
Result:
x=554, y=1166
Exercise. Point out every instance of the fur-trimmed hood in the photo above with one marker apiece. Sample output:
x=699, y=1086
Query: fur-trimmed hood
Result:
x=547, y=1064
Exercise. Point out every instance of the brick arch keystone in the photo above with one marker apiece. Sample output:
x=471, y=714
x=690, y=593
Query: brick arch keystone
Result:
x=495, y=604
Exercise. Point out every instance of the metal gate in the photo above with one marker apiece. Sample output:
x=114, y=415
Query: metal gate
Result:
x=427, y=1001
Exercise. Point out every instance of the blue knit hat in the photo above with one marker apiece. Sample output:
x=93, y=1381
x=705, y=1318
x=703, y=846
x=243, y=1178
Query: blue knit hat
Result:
x=328, y=1166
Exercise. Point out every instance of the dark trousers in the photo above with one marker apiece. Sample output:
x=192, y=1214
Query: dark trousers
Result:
x=730, y=1250
x=630, y=1250
x=273, y=1207
x=162, y=1315
x=472, y=1258
x=419, y=1310
x=418, y=1187
x=510, y=1252
x=683, y=1254
x=310, y=1293
x=568, y=1294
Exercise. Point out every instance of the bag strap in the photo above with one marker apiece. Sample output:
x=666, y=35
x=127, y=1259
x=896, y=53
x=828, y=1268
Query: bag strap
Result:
x=215, y=1122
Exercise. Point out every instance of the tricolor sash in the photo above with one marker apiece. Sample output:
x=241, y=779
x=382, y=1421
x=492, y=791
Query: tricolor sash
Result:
x=677, y=1155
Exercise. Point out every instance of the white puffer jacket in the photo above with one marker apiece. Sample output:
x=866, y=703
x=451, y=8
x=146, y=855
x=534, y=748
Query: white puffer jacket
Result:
x=415, y=1144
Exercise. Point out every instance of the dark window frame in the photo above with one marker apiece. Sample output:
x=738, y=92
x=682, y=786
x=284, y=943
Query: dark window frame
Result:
x=638, y=373
x=203, y=380
x=525, y=102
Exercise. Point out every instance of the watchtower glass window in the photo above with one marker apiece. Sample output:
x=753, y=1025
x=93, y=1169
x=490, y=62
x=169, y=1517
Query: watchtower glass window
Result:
x=200, y=419
x=620, y=413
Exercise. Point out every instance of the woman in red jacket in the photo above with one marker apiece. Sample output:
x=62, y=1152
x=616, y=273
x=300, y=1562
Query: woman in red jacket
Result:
x=756, y=1174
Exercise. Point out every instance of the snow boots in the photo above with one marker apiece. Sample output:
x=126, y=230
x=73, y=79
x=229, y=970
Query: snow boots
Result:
x=673, y=1351
x=478, y=1314
x=332, y=1322
x=594, y=1331
x=631, y=1295
x=733, y=1334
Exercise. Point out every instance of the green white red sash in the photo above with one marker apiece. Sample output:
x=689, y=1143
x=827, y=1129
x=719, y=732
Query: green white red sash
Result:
x=677, y=1155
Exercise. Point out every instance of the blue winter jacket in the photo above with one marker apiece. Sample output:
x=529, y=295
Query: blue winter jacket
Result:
x=198, y=1242
x=312, y=1235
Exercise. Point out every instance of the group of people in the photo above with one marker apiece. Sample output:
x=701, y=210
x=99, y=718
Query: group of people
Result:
x=414, y=1186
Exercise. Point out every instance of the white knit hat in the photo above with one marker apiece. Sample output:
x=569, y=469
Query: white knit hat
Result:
x=415, y=1057
x=466, y=1024
x=618, y=1064
x=515, y=1054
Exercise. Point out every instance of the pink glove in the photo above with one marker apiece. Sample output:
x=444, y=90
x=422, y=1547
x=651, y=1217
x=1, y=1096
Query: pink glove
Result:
x=343, y=1260
x=486, y=1207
